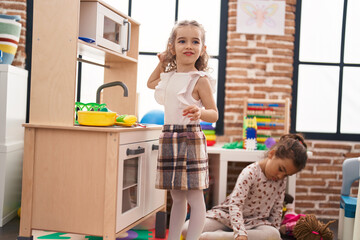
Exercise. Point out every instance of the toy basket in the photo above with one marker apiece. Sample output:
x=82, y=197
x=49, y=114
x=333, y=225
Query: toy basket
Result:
x=79, y=106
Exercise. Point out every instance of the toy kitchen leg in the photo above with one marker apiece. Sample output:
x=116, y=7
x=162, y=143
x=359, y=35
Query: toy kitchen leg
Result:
x=27, y=186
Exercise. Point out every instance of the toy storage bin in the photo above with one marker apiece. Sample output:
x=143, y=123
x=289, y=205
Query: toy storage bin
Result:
x=13, y=92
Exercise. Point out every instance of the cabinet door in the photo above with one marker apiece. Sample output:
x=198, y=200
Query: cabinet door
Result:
x=131, y=189
x=155, y=198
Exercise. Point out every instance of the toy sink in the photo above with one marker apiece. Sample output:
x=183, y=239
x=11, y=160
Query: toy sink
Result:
x=95, y=118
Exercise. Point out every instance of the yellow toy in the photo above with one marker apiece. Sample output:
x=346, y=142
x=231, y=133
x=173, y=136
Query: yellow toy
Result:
x=249, y=133
x=126, y=120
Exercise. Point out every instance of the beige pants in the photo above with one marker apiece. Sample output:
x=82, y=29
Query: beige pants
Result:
x=214, y=230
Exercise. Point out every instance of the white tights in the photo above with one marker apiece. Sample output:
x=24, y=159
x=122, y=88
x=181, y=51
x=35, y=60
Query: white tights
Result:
x=195, y=198
x=214, y=230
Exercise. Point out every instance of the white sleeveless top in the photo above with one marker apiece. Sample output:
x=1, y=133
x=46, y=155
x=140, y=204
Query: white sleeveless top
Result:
x=174, y=91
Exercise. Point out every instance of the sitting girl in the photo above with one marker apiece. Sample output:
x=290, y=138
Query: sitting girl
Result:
x=253, y=210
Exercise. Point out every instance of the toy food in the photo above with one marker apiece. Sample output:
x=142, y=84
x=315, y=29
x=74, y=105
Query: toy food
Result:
x=126, y=120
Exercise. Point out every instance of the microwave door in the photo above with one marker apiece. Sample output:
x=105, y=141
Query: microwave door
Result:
x=110, y=27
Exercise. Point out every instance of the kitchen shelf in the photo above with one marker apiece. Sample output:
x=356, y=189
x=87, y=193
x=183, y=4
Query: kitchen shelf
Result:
x=130, y=186
x=100, y=53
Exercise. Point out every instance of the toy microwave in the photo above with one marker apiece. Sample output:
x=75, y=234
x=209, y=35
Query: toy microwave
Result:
x=106, y=26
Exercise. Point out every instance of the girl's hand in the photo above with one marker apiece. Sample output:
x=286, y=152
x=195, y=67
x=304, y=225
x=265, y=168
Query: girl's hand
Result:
x=283, y=229
x=161, y=56
x=154, y=78
x=241, y=238
x=192, y=112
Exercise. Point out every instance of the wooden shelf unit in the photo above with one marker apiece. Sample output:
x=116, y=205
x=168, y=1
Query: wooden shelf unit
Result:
x=273, y=116
x=54, y=59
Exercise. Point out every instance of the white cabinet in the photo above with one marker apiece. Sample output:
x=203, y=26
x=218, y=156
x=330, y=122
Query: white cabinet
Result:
x=13, y=92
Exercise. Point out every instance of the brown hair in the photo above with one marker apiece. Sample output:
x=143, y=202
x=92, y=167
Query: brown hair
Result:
x=309, y=228
x=292, y=146
x=169, y=62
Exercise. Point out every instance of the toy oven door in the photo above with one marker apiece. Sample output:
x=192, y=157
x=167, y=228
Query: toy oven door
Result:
x=131, y=189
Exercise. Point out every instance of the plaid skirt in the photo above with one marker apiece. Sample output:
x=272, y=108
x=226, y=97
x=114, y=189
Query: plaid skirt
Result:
x=182, y=159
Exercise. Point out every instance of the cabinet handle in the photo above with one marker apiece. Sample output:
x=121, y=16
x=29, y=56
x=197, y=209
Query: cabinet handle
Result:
x=128, y=36
x=155, y=147
x=139, y=150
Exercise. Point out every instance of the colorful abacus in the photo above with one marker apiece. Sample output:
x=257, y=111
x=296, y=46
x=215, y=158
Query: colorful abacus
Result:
x=272, y=117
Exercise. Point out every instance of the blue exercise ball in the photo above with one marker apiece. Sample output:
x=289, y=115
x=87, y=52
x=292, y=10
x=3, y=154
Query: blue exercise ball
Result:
x=153, y=117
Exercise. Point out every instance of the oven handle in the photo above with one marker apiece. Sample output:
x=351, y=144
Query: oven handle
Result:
x=128, y=36
x=155, y=147
x=137, y=151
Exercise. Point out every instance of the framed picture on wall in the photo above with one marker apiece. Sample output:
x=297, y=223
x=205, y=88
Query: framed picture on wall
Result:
x=260, y=17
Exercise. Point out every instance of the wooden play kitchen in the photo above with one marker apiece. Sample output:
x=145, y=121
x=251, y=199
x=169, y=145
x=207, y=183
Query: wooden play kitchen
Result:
x=86, y=180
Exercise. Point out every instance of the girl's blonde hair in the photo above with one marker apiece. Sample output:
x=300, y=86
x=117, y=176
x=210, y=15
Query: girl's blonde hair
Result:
x=169, y=62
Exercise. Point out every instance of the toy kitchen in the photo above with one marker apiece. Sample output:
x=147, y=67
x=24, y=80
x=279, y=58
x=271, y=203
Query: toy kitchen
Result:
x=91, y=180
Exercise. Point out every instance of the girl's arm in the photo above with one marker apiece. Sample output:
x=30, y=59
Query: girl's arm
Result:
x=276, y=211
x=210, y=113
x=154, y=78
x=238, y=197
x=237, y=221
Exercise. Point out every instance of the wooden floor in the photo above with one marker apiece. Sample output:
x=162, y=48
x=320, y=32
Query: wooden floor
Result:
x=11, y=230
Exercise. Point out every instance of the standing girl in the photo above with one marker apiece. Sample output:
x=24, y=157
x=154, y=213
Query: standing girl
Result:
x=253, y=210
x=185, y=89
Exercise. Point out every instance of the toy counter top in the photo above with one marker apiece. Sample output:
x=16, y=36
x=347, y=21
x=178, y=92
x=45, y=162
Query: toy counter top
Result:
x=97, y=129
x=236, y=155
x=239, y=154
